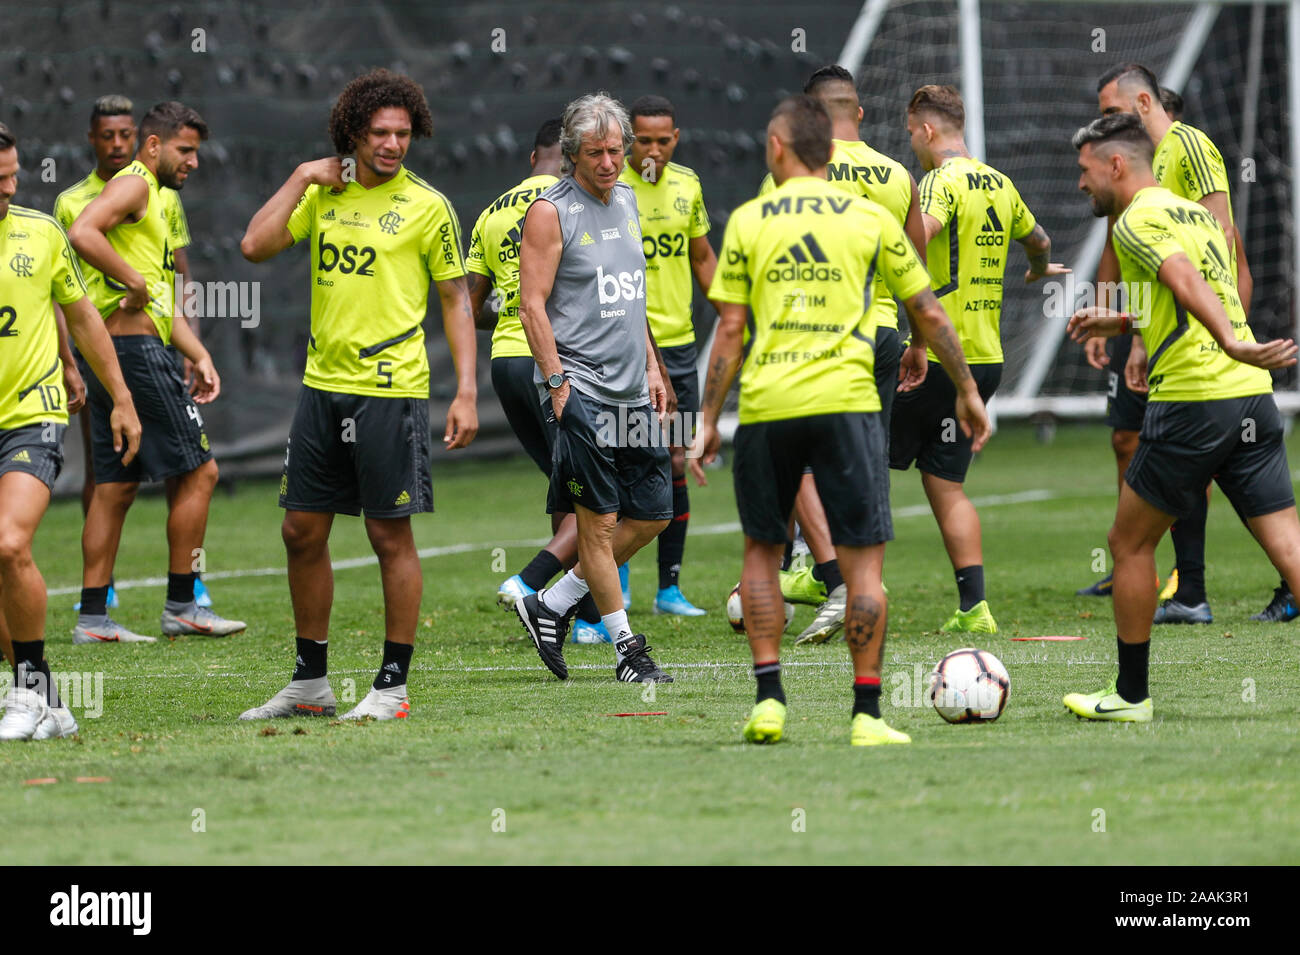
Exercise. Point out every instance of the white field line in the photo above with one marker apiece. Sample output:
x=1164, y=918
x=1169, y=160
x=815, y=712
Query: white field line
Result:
x=918, y=510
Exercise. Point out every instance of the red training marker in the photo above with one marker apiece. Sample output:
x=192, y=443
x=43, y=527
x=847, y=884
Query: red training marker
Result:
x=40, y=782
x=93, y=779
x=660, y=713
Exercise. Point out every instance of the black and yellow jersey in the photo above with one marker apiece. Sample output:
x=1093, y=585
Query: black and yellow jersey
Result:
x=858, y=169
x=1184, y=361
x=1187, y=163
x=672, y=213
x=74, y=199
x=806, y=258
x=373, y=255
x=982, y=214
x=494, y=252
x=40, y=268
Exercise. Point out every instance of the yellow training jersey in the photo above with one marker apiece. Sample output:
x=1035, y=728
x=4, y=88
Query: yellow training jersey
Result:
x=494, y=252
x=672, y=213
x=39, y=268
x=373, y=255
x=806, y=258
x=1185, y=363
x=858, y=169
x=1187, y=163
x=74, y=199
x=982, y=214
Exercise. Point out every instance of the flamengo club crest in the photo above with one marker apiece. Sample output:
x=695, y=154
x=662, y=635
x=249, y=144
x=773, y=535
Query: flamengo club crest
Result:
x=389, y=222
x=22, y=265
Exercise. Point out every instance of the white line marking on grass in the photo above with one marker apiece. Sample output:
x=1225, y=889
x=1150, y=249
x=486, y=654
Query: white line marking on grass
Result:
x=350, y=563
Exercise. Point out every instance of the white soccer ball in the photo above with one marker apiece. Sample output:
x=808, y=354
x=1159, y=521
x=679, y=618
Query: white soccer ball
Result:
x=736, y=615
x=970, y=686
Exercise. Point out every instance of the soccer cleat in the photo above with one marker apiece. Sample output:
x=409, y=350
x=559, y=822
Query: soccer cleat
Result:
x=978, y=619
x=58, y=724
x=201, y=595
x=671, y=600
x=801, y=587
x=511, y=590
x=200, y=620
x=1108, y=705
x=874, y=731
x=766, y=722
x=1102, y=588
x=25, y=711
x=110, y=631
x=1280, y=609
x=1171, y=611
x=637, y=667
x=547, y=631
x=829, y=619
x=299, y=698
x=390, y=703
x=1171, y=585
x=624, y=581
x=584, y=632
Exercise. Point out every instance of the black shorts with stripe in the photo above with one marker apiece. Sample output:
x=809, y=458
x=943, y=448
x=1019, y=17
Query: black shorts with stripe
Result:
x=1237, y=442
x=349, y=453
x=35, y=449
x=172, y=439
x=924, y=425
x=1124, y=407
x=846, y=454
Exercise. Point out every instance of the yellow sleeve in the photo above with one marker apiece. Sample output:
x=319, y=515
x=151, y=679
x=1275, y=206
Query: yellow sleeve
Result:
x=300, y=219
x=1145, y=242
x=475, y=261
x=444, y=259
x=1022, y=220
x=731, y=282
x=898, y=264
x=699, y=215
x=935, y=199
x=66, y=283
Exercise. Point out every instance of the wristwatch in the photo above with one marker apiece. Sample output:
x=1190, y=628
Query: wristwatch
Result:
x=554, y=381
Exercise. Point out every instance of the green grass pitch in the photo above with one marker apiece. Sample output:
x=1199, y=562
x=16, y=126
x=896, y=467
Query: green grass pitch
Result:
x=501, y=763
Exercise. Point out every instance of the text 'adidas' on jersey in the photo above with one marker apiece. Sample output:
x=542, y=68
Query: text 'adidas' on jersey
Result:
x=806, y=258
x=373, y=254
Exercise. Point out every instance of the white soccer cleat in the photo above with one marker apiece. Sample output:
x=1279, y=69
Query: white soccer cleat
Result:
x=58, y=724
x=25, y=710
x=388, y=704
x=110, y=632
x=299, y=698
x=200, y=620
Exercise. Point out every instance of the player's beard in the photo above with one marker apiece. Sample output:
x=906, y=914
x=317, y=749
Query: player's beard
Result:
x=167, y=177
x=1102, y=204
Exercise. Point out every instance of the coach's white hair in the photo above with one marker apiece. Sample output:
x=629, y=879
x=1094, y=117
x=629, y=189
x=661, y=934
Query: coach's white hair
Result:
x=591, y=115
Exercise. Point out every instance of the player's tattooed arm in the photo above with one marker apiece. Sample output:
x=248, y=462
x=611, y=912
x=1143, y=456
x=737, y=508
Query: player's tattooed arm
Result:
x=1038, y=246
x=268, y=231
x=924, y=310
x=458, y=326
x=483, y=303
x=724, y=363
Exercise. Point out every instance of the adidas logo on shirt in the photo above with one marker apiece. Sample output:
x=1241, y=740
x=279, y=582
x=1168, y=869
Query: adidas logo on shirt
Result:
x=991, y=231
x=804, y=261
x=587, y=239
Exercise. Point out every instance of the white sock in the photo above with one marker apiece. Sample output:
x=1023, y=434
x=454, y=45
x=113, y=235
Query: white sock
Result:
x=619, y=629
x=564, y=596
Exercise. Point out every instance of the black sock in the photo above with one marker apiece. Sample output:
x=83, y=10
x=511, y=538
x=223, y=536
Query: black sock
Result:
x=586, y=609
x=866, y=696
x=829, y=574
x=541, y=569
x=94, y=602
x=970, y=585
x=1188, y=535
x=672, y=539
x=180, y=588
x=1132, y=681
x=768, y=676
x=32, y=672
x=310, y=664
x=788, y=557
x=397, y=661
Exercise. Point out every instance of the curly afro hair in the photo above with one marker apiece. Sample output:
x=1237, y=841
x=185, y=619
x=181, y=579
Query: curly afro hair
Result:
x=368, y=93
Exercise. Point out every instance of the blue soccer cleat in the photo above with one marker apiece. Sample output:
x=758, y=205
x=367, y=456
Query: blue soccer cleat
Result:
x=584, y=632
x=201, y=595
x=672, y=600
x=511, y=590
x=623, y=581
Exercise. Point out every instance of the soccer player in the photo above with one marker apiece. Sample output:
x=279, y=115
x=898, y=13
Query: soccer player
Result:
x=1187, y=163
x=492, y=266
x=582, y=296
x=971, y=213
x=858, y=169
x=675, y=239
x=112, y=137
x=1210, y=411
x=41, y=269
x=378, y=235
x=818, y=268
x=125, y=234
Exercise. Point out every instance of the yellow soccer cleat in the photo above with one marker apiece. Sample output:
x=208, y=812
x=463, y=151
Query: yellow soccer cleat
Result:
x=766, y=722
x=1109, y=706
x=873, y=731
x=978, y=619
x=1171, y=587
x=801, y=587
